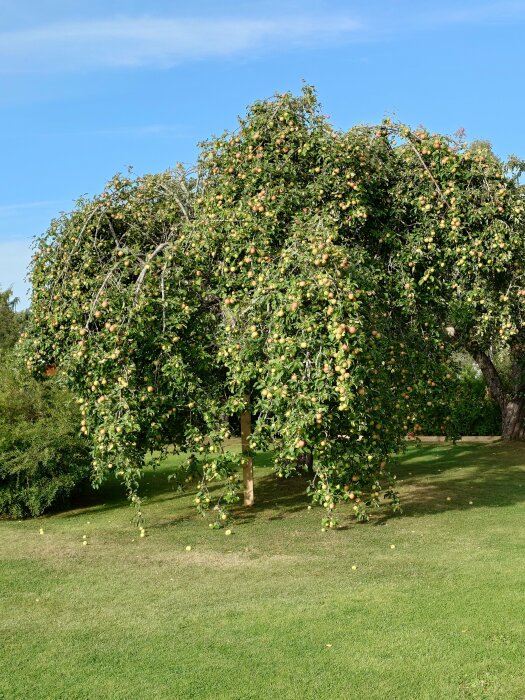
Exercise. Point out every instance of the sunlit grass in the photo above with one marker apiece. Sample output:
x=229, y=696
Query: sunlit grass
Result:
x=433, y=608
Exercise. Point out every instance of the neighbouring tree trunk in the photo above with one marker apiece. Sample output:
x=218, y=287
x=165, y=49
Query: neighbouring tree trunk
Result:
x=512, y=414
x=306, y=459
x=247, y=462
x=512, y=403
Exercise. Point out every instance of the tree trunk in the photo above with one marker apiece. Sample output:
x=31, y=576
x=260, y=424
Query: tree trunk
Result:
x=491, y=376
x=512, y=404
x=306, y=460
x=512, y=414
x=247, y=462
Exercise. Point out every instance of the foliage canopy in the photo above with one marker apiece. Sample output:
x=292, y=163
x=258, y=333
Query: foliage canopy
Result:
x=303, y=274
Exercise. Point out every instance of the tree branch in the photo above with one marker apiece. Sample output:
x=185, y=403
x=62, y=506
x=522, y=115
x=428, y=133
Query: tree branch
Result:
x=149, y=258
x=97, y=295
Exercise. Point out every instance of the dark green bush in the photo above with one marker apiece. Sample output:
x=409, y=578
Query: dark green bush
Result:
x=43, y=459
x=11, y=321
x=471, y=410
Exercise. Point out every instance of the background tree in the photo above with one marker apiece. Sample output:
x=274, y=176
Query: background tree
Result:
x=458, y=244
x=470, y=408
x=11, y=321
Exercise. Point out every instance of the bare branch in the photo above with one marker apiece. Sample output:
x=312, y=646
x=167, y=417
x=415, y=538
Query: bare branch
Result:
x=163, y=296
x=97, y=295
x=112, y=229
x=68, y=264
x=140, y=278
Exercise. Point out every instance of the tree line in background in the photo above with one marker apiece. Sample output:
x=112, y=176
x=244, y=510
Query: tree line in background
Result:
x=315, y=282
x=43, y=460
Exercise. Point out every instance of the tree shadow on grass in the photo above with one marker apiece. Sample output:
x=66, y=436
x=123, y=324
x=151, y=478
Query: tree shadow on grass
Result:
x=276, y=498
x=436, y=478
x=431, y=479
x=470, y=475
x=154, y=487
x=112, y=494
x=488, y=475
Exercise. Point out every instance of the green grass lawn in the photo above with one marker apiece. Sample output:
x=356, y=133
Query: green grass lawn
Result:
x=276, y=610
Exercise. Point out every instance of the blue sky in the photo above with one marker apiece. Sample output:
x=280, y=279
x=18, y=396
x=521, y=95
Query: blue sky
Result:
x=87, y=89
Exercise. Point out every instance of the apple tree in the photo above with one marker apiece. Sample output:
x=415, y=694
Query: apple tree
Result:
x=313, y=336
x=458, y=245
x=276, y=285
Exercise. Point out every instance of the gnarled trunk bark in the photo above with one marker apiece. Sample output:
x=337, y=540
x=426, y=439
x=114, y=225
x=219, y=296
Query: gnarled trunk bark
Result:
x=512, y=414
x=512, y=403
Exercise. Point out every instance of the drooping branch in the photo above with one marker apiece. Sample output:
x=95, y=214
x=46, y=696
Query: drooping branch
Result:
x=64, y=268
x=98, y=294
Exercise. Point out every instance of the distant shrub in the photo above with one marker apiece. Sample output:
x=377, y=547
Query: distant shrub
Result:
x=42, y=456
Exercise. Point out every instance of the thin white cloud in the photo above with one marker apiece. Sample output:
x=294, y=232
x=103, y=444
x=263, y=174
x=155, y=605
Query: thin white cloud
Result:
x=158, y=42
x=10, y=209
x=161, y=42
